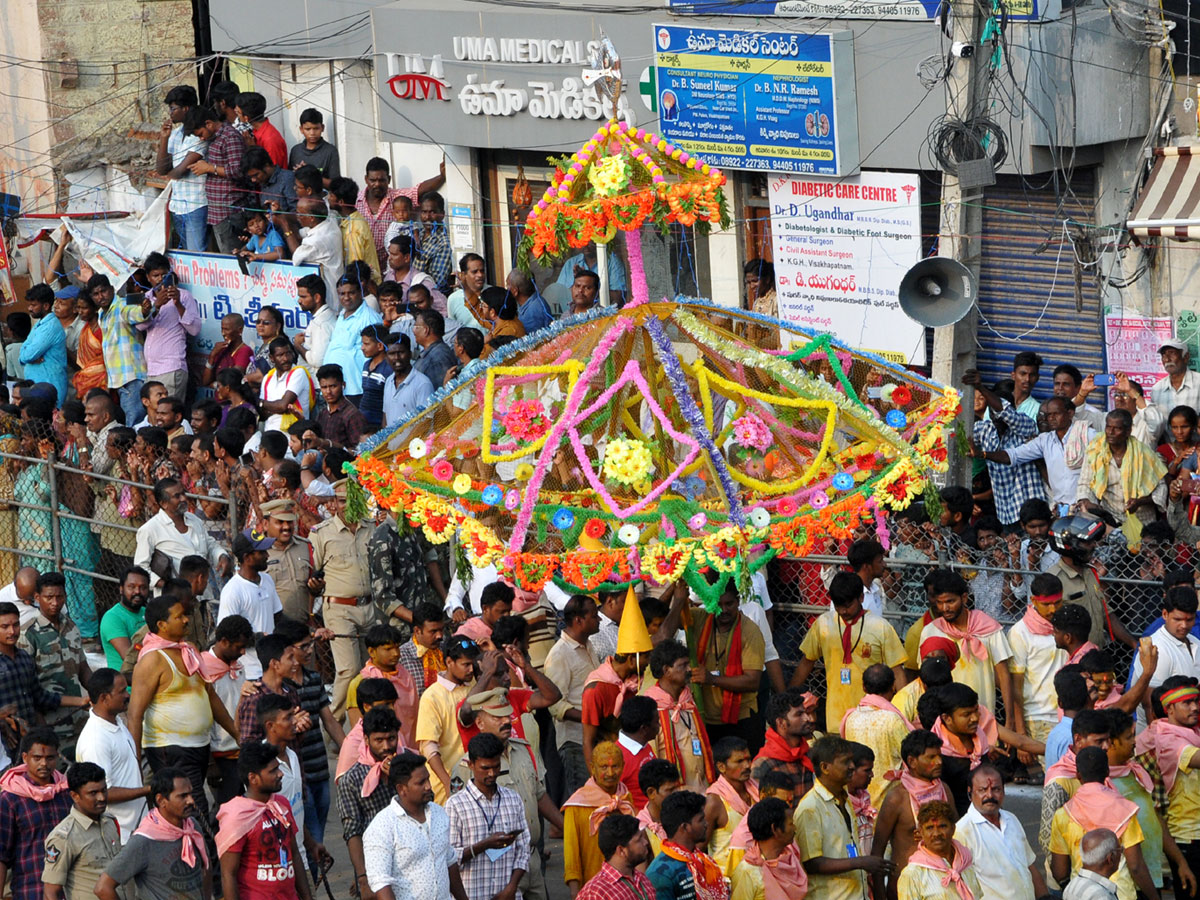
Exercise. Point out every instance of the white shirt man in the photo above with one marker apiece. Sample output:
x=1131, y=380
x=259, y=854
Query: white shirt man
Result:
x=229, y=689
x=1175, y=657
x=159, y=533
x=1062, y=478
x=412, y=858
x=258, y=604
x=1002, y=854
x=110, y=746
x=316, y=336
x=460, y=597
x=322, y=245
x=27, y=611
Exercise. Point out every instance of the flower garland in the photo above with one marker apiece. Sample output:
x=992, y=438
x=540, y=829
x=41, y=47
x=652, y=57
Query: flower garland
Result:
x=588, y=569
x=571, y=369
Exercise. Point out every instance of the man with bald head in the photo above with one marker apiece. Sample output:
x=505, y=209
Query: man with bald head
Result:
x=1004, y=862
x=1100, y=851
x=532, y=308
x=22, y=594
x=314, y=237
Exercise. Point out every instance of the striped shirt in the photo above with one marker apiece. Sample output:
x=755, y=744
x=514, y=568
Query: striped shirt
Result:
x=124, y=359
x=187, y=195
x=380, y=221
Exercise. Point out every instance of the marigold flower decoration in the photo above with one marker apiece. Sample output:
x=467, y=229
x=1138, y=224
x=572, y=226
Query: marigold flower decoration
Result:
x=627, y=462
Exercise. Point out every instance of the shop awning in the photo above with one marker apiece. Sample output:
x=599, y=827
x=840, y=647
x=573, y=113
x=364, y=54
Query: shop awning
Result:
x=1169, y=205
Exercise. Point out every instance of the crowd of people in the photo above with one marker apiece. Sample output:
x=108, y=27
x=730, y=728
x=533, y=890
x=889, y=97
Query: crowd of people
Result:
x=212, y=550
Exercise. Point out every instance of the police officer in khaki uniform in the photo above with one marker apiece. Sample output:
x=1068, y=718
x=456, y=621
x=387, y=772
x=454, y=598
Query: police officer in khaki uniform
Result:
x=288, y=560
x=522, y=769
x=80, y=846
x=340, y=560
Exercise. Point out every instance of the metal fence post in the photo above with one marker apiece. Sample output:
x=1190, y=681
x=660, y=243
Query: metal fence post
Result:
x=55, y=523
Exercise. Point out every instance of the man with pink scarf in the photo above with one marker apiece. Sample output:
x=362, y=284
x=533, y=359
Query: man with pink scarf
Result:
x=1036, y=657
x=33, y=799
x=728, y=799
x=983, y=649
x=166, y=856
x=940, y=868
x=879, y=725
x=772, y=868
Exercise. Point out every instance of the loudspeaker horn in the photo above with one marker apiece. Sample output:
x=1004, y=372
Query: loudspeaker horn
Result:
x=937, y=291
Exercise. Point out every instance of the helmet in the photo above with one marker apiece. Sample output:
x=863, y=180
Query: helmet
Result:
x=1072, y=534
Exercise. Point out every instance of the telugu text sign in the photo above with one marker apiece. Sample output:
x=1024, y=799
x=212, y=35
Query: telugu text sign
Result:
x=841, y=249
x=757, y=99
x=1131, y=345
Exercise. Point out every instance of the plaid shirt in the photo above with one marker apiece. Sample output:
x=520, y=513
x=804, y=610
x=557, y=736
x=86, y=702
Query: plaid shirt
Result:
x=472, y=818
x=247, y=711
x=225, y=150
x=435, y=256
x=1011, y=485
x=380, y=221
x=19, y=684
x=357, y=810
x=187, y=195
x=24, y=825
x=313, y=758
x=609, y=884
x=124, y=359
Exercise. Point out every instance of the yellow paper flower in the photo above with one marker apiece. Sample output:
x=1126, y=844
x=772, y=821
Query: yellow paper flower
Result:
x=609, y=177
x=462, y=483
x=524, y=472
x=627, y=462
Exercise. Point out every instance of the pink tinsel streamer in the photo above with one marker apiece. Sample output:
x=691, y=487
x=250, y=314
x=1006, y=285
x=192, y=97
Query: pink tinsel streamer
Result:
x=637, y=270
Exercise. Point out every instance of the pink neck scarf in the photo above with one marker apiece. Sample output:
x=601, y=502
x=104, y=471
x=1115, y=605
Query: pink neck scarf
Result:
x=656, y=828
x=214, y=663
x=1167, y=742
x=374, y=769
x=1036, y=622
x=156, y=828
x=1064, y=768
x=860, y=802
x=601, y=802
x=238, y=816
x=1096, y=806
x=17, y=781
x=606, y=674
x=979, y=625
x=727, y=792
x=1130, y=768
x=953, y=745
x=921, y=792
x=875, y=701
x=208, y=666
x=783, y=877
x=952, y=873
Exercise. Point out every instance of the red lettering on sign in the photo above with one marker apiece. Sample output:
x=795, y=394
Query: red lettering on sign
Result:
x=416, y=86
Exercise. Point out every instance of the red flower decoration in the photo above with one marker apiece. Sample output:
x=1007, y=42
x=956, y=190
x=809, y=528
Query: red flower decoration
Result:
x=787, y=506
x=443, y=470
x=901, y=396
x=865, y=462
x=595, y=528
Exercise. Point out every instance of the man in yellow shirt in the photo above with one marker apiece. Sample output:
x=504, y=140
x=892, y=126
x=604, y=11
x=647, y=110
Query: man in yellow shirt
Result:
x=729, y=651
x=879, y=725
x=357, y=242
x=772, y=856
x=1096, y=806
x=824, y=825
x=601, y=795
x=1175, y=743
x=437, y=718
x=850, y=641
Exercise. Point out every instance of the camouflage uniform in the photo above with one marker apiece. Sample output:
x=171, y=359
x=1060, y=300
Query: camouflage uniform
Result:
x=58, y=655
x=398, y=573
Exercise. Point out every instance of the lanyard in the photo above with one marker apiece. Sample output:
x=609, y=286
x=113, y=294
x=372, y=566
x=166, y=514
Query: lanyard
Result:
x=486, y=821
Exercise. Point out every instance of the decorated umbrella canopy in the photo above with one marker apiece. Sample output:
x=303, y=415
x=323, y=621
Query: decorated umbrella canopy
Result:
x=657, y=441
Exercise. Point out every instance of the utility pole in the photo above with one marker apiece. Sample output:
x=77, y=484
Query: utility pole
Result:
x=960, y=227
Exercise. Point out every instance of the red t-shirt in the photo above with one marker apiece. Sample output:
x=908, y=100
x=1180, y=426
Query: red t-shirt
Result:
x=268, y=137
x=268, y=871
x=629, y=775
x=517, y=698
x=598, y=701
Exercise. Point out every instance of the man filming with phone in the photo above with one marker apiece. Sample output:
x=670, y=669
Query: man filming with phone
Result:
x=171, y=317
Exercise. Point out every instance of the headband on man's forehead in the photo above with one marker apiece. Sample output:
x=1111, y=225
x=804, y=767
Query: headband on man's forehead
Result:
x=1048, y=598
x=1180, y=694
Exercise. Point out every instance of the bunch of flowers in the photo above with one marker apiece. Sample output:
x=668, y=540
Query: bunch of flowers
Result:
x=609, y=176
x=751, y=431
x=627, y=462
x=526, y=420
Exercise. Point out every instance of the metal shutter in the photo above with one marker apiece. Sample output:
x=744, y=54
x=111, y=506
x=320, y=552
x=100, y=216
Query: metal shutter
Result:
x=1015, y=281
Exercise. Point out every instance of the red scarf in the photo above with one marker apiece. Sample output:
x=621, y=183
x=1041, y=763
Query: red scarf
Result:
x=156, y=828
x=1036, y=622
x=847, y=624
x=606, y=674
x=921, y=792
x=432, y=662
x=776, y=748
x=671, y=711
x=727, y=792
x=601, y=802
x=952, y=873
x=979, y=625
x=783, y=877
x=1096, y=806
x=731, y=701
x=709, y=881
x=17, y=781
x=237, y=817
x=209, y=667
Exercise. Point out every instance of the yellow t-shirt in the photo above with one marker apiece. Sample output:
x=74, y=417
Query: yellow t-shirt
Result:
x=920, y=883
x=716, y=659
x=352, y=692
x=581, y=853
x=872, y=641
x=912, y=644
x=821, y=830
x=1066, y=835
x=979, y=674
x=882, y=731
x=1183, y=809
x=436, y=723
x=718, y=843
x=907, y=698
x=747, y=882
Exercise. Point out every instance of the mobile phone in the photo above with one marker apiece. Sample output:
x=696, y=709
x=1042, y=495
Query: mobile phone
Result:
x=1105, y=380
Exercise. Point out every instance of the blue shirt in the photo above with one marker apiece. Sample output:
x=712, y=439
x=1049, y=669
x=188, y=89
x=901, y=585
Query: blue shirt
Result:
x=535, y=313
x=268, y=242
x=616, y=271
x=345, y=345
x=373, y=381
x=671, y=878
x=401, y=400
x=44, y=354
x=1058, y=741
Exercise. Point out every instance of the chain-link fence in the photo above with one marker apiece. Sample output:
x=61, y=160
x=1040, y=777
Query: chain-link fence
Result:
x=999, y=578
x=58, y=517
